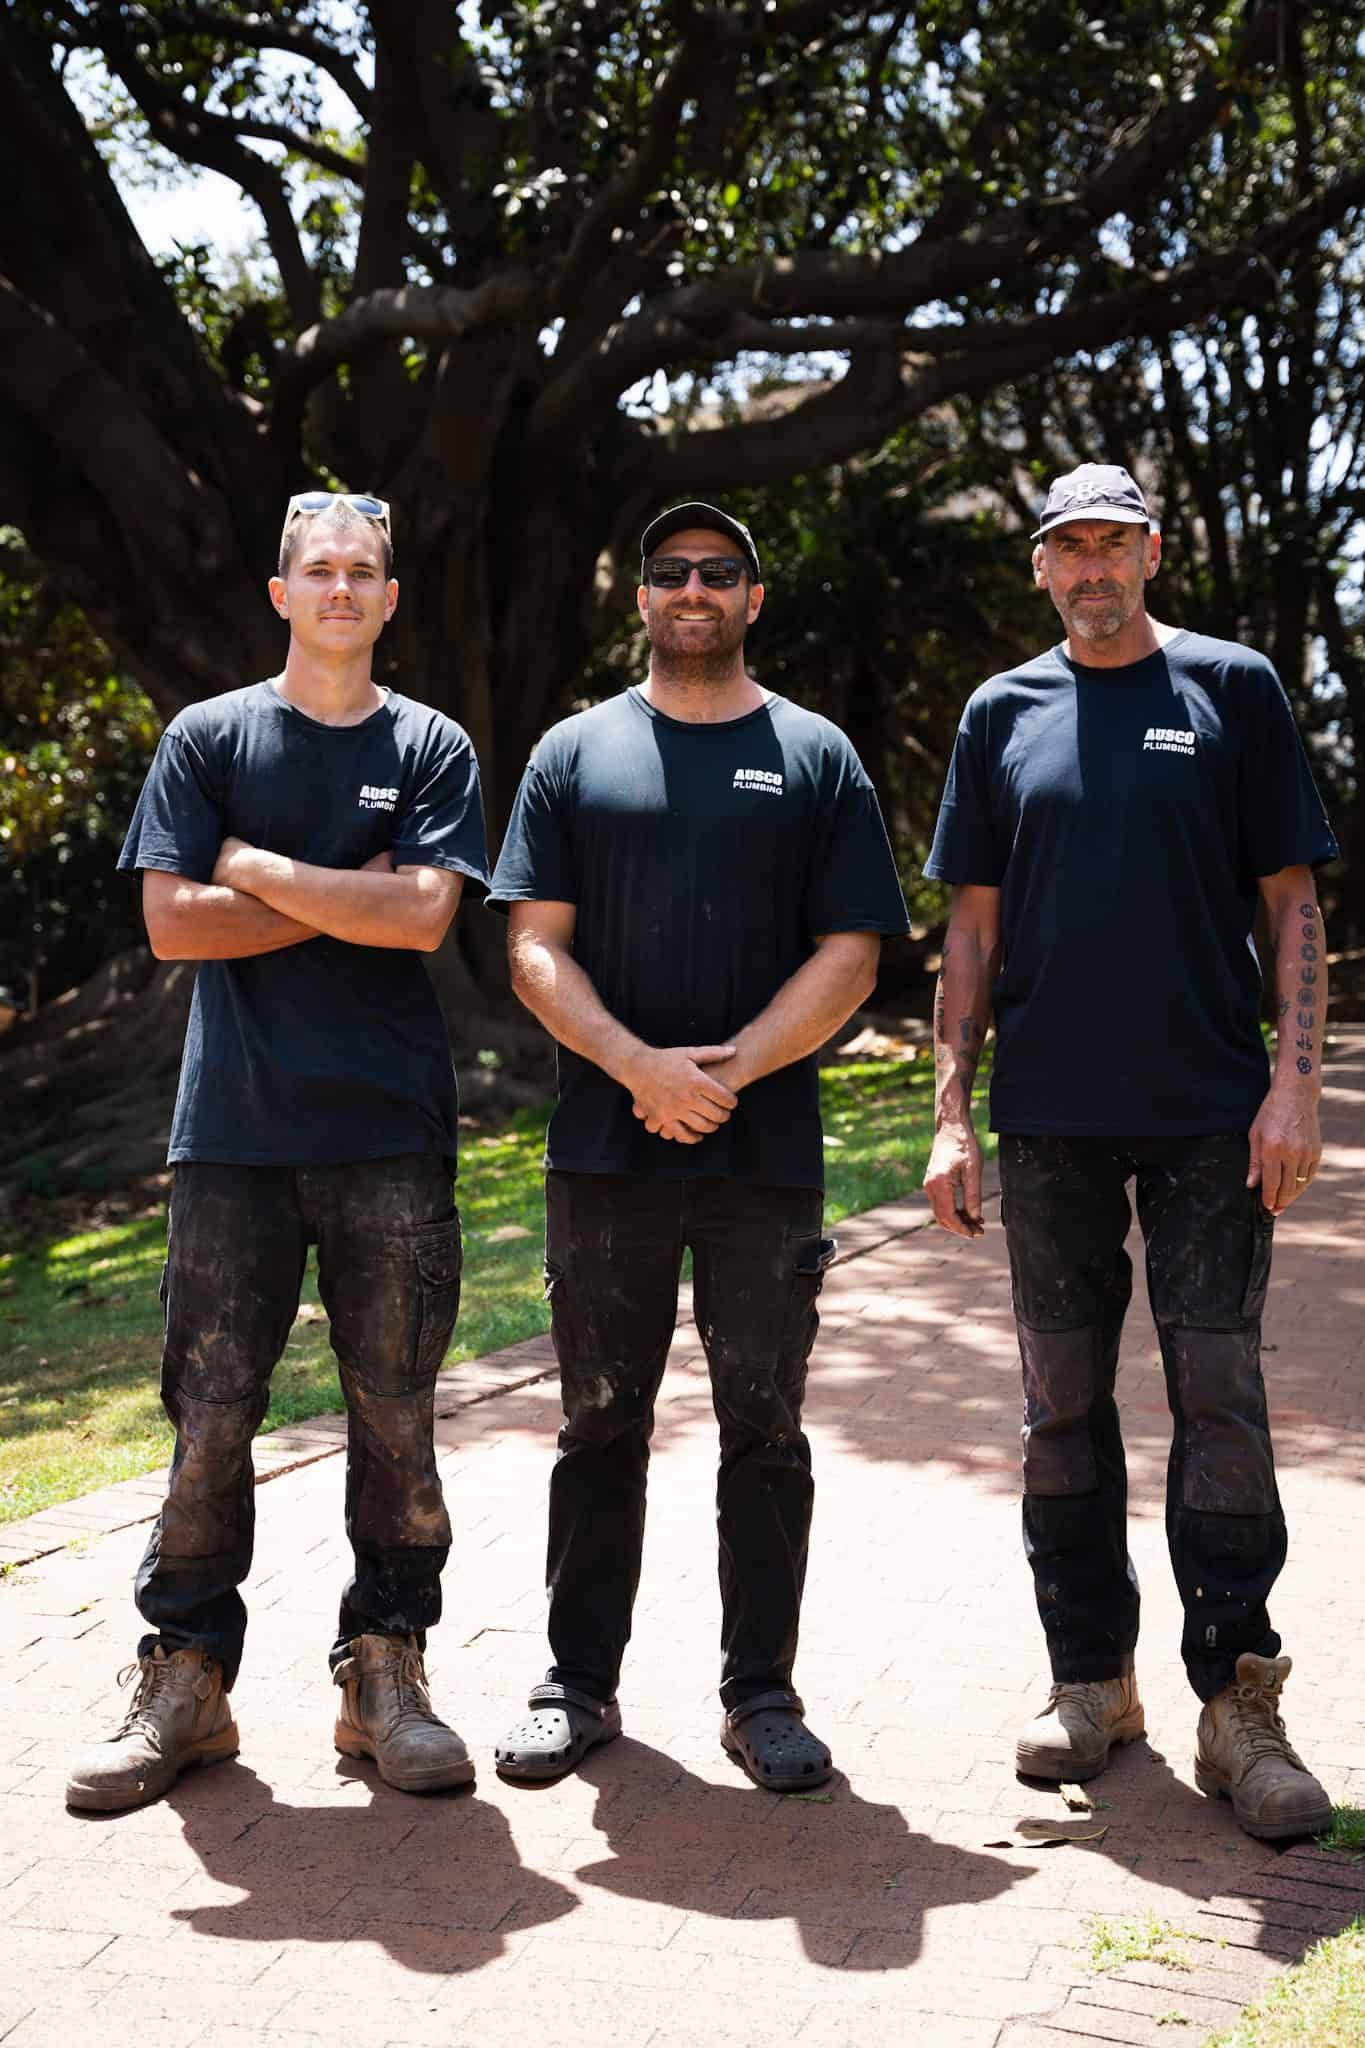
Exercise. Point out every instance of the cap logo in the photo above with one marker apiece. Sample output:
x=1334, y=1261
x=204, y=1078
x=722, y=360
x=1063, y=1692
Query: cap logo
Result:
x=1090, y=494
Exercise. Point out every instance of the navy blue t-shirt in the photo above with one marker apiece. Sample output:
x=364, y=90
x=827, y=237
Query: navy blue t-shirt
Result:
x=703, y=860
x=1125, y=815
x=323, y=1051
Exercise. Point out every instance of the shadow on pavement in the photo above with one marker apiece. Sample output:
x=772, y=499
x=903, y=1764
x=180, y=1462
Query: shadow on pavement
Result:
x=850, y=1874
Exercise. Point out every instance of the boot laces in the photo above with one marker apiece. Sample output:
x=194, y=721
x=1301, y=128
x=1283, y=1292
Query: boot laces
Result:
x=155, y=1680
x=1260, y=1731
x=1083, y=1694
x=411, y=1699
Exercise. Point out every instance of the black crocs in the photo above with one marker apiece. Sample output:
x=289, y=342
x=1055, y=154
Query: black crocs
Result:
x=562, y=1727
x=768, y=1736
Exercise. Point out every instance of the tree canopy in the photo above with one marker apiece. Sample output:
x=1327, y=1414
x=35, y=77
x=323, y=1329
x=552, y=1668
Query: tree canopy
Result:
x=499, y=243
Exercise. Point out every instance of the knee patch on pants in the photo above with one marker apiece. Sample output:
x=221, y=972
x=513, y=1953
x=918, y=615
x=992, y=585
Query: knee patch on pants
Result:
x=1059, y=1391
x=1228, y=1468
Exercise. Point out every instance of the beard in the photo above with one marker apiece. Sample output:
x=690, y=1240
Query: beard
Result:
x=1100, y=621
x=688, y=655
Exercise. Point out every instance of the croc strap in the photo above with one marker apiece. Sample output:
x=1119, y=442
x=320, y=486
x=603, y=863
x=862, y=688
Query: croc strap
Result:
x=781, y=1697
x=552, y=1694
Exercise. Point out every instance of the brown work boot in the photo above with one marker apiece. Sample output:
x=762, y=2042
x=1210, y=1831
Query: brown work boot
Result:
x=386, y=1713
x=1072, y=1736
x=179, y=1716
x=1243, y=1754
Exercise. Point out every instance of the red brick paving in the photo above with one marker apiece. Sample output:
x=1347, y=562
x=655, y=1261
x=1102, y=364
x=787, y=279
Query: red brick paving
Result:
x=658, y=1900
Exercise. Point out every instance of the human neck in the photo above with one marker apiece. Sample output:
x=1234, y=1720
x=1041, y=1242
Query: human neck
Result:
x=680, y=691
x=1143, y=635
x=339, y=692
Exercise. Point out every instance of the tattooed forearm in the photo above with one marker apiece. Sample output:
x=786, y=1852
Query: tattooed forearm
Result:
x=1302, y=977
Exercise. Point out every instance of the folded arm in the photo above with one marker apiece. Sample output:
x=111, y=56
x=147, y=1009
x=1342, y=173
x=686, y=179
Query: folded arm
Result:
x=670, y=1081
x=205, y=921
x=407, y=908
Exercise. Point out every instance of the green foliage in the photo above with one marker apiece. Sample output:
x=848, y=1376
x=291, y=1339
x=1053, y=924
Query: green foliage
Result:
x=1148, y=1939
x=75, y=740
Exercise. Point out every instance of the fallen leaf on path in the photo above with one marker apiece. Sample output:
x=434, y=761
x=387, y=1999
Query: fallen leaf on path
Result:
x=1077, y=1798
x=1044, y=1831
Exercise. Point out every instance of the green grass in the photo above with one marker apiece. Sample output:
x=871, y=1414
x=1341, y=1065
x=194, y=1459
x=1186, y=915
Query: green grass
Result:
x=1149, y=1940
x=1347, y=1832
x=1320, y=2003
x=80, y=1325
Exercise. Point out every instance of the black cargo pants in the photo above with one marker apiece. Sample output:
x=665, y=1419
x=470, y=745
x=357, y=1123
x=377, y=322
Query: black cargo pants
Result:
x=388, y=1244
x=613, y=1251
x=1208, y=1239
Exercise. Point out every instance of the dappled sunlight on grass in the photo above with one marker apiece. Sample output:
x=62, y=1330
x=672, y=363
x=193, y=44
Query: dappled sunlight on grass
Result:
x=80, y=1322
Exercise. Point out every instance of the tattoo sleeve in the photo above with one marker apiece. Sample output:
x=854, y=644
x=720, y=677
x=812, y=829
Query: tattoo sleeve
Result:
x=962, y=1015
x=1301, y=989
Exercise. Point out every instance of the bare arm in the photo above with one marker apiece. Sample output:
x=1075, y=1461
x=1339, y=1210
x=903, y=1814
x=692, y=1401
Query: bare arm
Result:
x=204, y=921
x=407, y=908
x=962, y=1015
x=1286, y=1142
x=669, y=1081
x=808, y=1008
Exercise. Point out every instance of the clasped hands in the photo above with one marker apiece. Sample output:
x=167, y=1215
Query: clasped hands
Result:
x=684, y=1092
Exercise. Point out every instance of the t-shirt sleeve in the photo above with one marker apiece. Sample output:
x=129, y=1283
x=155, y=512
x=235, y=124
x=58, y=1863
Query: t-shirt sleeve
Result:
x=536, y=864
x=441, y=824
x=1282, y=820
x=852, y=883
x=966, y=849
x=177, y=825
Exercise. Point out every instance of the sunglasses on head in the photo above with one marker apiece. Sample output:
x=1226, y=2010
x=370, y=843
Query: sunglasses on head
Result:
x=304, y=502
x=671, y=572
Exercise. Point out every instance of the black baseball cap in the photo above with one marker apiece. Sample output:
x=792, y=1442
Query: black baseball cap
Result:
x=1097, y=490
x=694, y=513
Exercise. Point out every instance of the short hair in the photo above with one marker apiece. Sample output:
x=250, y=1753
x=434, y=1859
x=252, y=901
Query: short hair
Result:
x=340, y=514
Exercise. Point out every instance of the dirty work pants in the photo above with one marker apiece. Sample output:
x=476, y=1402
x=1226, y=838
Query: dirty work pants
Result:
x=388, y=1244
x=1208, y=1241
x=613, y=1250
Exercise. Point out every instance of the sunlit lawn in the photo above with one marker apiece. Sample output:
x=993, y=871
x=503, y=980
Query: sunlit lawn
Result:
x=80, y=1324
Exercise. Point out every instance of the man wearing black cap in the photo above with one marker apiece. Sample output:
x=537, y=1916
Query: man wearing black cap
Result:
x=697, y=876
x=1114, y=811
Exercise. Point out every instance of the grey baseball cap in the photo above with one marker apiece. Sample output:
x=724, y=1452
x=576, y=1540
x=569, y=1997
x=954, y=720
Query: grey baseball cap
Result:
x=1097, y=490
x=694, y=513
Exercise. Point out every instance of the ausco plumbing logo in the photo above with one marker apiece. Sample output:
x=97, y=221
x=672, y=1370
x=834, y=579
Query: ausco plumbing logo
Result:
x=375, y=798
x=1167, y=739
x=760, y=779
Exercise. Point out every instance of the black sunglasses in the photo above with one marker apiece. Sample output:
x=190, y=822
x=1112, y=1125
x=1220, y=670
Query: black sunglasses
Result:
x=671, y=572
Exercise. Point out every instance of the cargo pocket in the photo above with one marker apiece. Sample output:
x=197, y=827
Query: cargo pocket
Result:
x=814, y=1256
x=1262, y=1242
x=439, y=1254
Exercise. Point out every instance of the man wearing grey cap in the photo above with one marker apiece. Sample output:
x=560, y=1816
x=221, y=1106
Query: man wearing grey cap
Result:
x=1113, y=813
x=697, y=877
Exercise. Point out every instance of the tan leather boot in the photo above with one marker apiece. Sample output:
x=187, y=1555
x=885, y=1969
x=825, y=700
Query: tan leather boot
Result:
x=386, y=1714
x=179, y=1716
x=1072, y=1736
x=1243, y=1754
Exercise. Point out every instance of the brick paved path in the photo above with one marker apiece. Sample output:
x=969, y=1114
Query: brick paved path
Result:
x=658, y=1899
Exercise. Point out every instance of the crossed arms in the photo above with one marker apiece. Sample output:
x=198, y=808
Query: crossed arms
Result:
x=1286, y=1143
x=684, y=1092
x=261, y=902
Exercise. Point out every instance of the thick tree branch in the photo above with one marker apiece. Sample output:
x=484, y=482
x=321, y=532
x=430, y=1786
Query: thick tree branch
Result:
x=835, y=283
x=261, y=32
x=835, y=424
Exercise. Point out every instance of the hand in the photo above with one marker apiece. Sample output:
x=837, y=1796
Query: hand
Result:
x=380, y=863
x=1286, y=1146
x=229, y=868
x=674, y=1097
x=952, y=1181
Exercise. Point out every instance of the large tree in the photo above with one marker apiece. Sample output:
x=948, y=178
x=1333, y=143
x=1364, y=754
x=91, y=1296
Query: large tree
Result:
x=529, y=219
